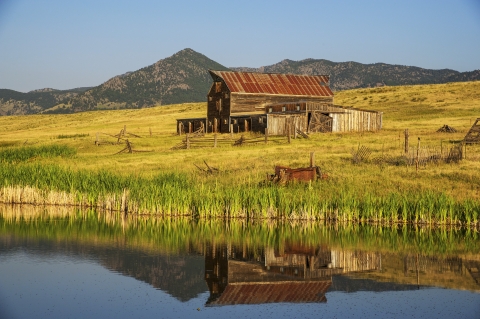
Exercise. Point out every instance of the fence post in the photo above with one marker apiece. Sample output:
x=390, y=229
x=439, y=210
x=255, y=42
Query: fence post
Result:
x=215, y=140
x=312, y=159
x=418, y=154
x=231, y=130
x=406, y=141
x=288, y=133
x=188, y=141
x=266, y=135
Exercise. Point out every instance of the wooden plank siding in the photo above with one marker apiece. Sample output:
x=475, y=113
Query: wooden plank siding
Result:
x=255, y=103
x=349, y=119
x=344, y=119
x=218, y=108
x=278, y=123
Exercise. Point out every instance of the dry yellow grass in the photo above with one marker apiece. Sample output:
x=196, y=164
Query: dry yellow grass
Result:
x=422, y=109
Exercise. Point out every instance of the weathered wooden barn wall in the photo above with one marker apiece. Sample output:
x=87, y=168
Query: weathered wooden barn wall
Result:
x=254, y=103
x=349, y=119
x=355, y=120
x=278, y=124
x=218, y=108
x=343, y=119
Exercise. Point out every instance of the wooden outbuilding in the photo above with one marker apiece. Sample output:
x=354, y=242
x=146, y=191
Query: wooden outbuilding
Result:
x=313, y=117
x=276, y=103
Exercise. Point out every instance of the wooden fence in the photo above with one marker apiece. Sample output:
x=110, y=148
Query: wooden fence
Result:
x=192, y=141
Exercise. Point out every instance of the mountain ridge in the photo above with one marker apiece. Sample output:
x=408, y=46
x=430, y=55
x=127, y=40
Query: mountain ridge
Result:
x=183, y=77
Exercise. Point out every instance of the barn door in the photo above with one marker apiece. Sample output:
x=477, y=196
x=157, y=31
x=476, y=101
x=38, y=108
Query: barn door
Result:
x=320, y=123
x=248, y=124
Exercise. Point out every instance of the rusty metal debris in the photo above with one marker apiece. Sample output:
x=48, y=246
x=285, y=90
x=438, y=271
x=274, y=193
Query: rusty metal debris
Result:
x=284, y=174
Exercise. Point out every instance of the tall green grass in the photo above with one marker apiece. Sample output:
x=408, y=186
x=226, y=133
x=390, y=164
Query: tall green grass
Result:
x=26, y=153
x=176, y=194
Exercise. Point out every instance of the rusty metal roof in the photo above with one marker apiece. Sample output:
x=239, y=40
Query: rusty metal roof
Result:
x=270, y=83
x=259, y=293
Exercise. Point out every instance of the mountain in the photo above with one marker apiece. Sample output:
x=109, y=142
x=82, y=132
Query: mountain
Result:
x=350, y=75
x=181, y=78
x=184, y=77
x=19, y=103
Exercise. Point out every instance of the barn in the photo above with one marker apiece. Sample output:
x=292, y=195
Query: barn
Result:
x=274, y=104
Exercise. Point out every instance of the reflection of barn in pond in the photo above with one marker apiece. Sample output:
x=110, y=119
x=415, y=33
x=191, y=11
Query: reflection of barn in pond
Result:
x=295, y=274
x=422, y=267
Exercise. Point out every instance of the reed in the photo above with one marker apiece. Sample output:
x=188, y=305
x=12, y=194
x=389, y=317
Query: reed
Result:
x=23, y=154
x=176, y=194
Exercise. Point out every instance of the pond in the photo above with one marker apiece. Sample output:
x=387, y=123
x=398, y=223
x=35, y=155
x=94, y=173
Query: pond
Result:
x=62, y=263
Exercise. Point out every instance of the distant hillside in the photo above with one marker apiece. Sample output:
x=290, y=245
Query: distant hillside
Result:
x=18, y=103
x=350, y=75
x=181, y=78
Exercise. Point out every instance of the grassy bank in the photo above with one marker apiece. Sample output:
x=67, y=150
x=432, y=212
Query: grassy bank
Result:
x=177, y=194
x=381, y=188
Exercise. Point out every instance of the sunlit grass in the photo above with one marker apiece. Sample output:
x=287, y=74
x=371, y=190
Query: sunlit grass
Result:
x=437, y=193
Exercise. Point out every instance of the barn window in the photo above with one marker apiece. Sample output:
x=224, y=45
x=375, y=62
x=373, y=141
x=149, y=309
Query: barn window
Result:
x=260, y=120
x=298, y=107
x=218, y=87
x=219, y=105
x=270, y=110
x=234, y=121
x=225, y=121
x=210, y=98
x=226, y=95
x=284, y=108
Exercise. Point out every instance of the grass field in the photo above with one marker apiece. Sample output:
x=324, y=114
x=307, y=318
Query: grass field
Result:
x=421, y=109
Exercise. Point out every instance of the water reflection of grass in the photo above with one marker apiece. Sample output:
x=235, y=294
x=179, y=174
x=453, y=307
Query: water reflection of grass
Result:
x=183, y=234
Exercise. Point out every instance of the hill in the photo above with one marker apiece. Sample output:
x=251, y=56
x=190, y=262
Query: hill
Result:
x=183, y=78
x=19, y=103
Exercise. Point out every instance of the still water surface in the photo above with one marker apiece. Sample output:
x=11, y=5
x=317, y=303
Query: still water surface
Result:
x=89, y=266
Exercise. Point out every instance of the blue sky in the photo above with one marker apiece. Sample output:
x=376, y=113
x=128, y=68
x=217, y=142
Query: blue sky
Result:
x=67, y=44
